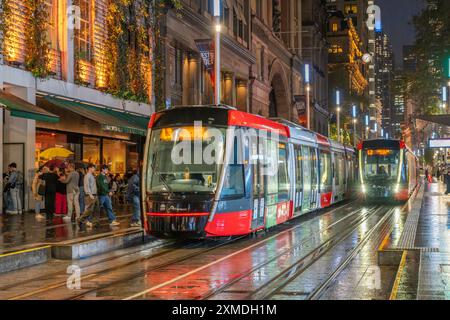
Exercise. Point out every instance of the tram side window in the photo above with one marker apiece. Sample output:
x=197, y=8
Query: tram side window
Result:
x=298, y=169
x=325, y=171
x=283, y=181
x=233, y=185
x=272, y=177
x=337, y=173
x=313, y=158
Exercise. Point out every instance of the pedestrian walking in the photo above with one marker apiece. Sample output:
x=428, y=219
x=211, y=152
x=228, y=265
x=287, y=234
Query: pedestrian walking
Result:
x=134, y=196
x=50, y=178
x=71, y=181
x=15, y=182
x=81, y=174
x=38, y=189
x=105, y=194
x=92, y=207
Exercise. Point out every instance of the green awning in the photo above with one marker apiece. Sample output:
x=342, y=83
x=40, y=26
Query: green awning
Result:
x=109, y=119
x=23, y=109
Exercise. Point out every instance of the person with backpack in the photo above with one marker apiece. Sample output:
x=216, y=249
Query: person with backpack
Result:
x=133, y=196
x=15, y=186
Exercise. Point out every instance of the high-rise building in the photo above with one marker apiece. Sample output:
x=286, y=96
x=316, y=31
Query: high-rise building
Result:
x=409, y=59
x=384, y=75
x=315, y=53
x=347, y=36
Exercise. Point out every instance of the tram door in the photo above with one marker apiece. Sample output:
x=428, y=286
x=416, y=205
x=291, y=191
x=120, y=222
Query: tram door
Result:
x=257, y=152
x=314, y=178
x=298, y=179
x=307, y=178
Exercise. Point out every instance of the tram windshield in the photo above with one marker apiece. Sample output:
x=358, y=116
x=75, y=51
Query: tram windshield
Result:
x=185, y=159
x=381, y=164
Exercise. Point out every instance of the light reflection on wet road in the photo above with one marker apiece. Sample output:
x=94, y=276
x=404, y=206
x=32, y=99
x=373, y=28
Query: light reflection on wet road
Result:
x=233, y=270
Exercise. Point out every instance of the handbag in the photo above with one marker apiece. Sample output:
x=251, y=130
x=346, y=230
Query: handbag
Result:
x=7, y=187
x=41, y=189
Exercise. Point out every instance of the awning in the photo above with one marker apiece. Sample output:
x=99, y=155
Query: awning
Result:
x=109, y=119
x=23, y=109
x=441, y=119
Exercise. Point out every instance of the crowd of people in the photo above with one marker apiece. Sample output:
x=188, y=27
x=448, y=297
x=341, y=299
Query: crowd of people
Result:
x=76, y=194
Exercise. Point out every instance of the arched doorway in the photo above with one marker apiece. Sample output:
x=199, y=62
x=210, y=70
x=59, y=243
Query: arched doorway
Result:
x=279, y=102
x=272, y=104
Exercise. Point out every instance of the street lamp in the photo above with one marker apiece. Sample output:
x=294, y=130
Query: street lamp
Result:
x=217, y=48
x=338, y=109
x=308, y=90
x=444, y=97
x=367, y=126
x=354, y=114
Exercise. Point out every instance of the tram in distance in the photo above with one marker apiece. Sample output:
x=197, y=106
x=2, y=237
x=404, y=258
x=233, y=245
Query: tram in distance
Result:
x=388, y=170
x=201, y=199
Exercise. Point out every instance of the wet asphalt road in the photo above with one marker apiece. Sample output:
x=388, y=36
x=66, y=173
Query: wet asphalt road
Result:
x=326, y=255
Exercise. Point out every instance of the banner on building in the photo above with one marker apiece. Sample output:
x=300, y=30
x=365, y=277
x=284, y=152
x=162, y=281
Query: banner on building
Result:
x=300, y=105
x=207, y=50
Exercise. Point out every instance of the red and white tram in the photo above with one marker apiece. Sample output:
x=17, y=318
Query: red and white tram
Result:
x=265, y=172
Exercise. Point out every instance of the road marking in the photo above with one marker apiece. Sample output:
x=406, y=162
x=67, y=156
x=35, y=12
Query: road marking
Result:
x=394, y=291
x=23, y=251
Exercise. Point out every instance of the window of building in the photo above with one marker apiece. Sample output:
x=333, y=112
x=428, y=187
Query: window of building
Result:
x=83, y=39
x=334, y=27
x=91, y=150
x=51, y=34
x=335, y=49
x=351, y=9
x=114, y=155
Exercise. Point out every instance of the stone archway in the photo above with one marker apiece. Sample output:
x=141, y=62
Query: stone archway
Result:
x=279, y=98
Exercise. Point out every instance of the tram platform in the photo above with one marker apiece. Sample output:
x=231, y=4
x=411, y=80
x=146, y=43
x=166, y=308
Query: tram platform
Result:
x=25, y=242
x=423, y=248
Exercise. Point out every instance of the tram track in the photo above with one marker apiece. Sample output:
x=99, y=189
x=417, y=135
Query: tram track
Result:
x=60, y=284
x=140, y=259
x=181, y=260
x=100, y=261
x=320, y=289
x=301, y=264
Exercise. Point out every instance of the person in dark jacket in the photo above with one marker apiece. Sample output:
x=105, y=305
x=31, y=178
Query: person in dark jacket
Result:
x=447, y=180
x=104, y=195
x=51, y=179
x=133, y=195
x=61, y=194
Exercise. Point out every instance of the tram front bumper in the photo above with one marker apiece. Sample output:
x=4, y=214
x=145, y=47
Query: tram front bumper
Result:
x=177, y=226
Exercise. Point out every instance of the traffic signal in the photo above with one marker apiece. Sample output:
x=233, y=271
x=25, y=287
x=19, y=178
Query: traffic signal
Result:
x=447, y=67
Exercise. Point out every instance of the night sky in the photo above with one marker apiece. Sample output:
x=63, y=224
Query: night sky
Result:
x=396, y=17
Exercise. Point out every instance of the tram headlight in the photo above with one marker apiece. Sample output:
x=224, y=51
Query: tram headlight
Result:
x=363, y=189
x=397, y=188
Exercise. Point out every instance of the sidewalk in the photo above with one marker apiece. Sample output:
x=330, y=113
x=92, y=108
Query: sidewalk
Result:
x=19, y=232
x=424, y=270
x=433, y=235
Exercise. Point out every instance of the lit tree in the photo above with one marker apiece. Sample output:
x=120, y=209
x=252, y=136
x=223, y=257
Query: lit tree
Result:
x=431, y=47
